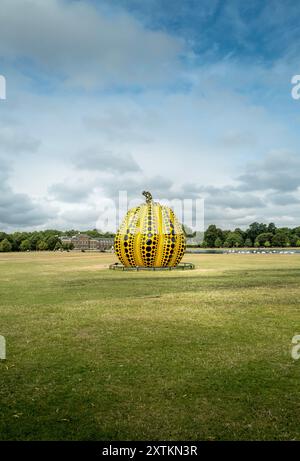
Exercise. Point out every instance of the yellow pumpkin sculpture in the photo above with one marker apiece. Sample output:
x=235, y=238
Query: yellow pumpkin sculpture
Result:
x=150, y=236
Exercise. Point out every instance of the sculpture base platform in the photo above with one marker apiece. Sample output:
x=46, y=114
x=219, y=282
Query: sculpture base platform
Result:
x=180, y=266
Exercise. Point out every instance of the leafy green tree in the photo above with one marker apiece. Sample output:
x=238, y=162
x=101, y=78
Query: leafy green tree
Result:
x=280, y=239
x=42, y=245
x=225, y=234
x=34, y=239
x=5, y=245
x=68, y=246
x=218, y=242
x=293, y=238
x=255, y=229
x=211, y=234
x=271, y=228
x=14, y=243
x=71, y=232
x=94, y=233
x=296, y=233
x=263, y=238
x=298, y=243
x=3, y=236
x=248, y=242
x=52, y=241
x=239, y=231
x=234, y=239
x=25, y=245
x=58, y=246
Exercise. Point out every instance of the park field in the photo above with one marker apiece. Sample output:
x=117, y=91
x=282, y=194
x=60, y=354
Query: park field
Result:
x=94, y=354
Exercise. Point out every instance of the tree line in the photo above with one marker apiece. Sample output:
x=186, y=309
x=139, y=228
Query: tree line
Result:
x=256, y=235
x=42, y=240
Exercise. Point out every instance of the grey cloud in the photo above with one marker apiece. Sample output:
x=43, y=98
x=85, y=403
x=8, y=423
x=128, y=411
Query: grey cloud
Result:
x=14, y=140
x=283, y=199
x=226, y=196
x=83, y=218
x=134, y=186
x=4, y=171
x=270, y=180
x=264, y=184
x=70, y=193
x=98, y=160
x=285, y=213
x=235, y=200
x=19, y=210
x=279, y=171
x=81, y=44
x=228, y=218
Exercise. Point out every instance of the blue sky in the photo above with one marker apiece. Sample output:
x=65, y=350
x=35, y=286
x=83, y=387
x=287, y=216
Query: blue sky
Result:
x=185, y=98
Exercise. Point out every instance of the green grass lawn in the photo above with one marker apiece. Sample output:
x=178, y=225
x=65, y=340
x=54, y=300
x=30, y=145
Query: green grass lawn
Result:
x=94, y=354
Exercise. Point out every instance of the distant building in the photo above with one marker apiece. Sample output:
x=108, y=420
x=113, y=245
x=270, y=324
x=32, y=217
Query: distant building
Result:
x=94, y=244
x=105, y=243
x=85, y=242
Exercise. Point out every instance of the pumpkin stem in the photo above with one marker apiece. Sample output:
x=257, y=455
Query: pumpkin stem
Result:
x=148, y=196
